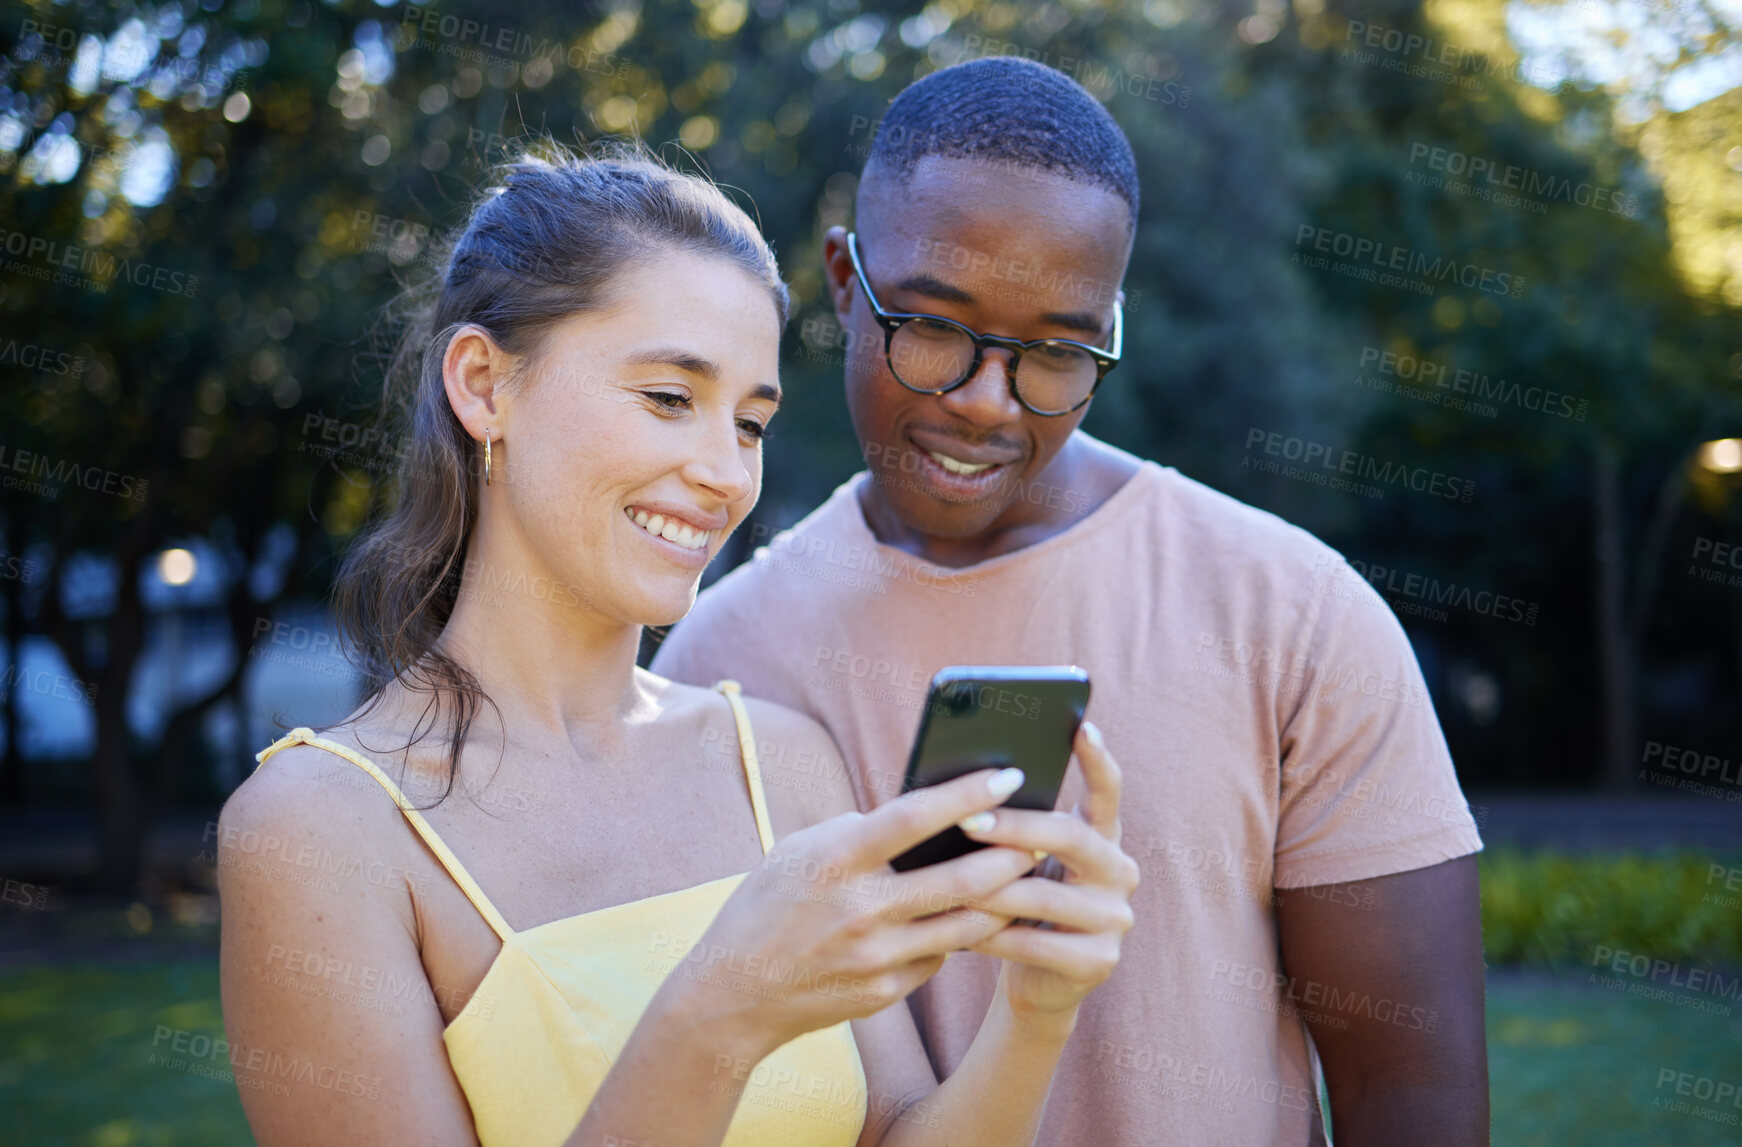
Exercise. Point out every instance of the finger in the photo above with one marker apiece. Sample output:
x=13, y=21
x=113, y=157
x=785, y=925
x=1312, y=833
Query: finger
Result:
x=1085, y=959
x=936, y=935
x=1075, y=907
x=961, y=881
x=1104, y=779
x=893, y=828
x=1090, y=857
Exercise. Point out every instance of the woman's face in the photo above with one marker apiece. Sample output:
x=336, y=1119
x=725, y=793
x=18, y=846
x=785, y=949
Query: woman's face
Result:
x=645, y=416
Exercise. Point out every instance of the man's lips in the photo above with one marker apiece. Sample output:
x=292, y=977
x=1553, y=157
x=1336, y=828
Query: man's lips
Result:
x=955, y=450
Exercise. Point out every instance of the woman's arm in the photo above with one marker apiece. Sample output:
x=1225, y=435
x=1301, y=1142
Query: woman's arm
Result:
x=825, y=906
x=334, y=1034
x=997, y=1094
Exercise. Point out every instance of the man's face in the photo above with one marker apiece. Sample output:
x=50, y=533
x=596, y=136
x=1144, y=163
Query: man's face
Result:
x=1019, y=253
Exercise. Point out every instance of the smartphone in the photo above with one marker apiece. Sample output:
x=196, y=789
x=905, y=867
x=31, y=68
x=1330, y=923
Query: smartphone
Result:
x=992, y=717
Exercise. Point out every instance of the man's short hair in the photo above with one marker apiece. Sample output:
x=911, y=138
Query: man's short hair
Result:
x=1007, y=110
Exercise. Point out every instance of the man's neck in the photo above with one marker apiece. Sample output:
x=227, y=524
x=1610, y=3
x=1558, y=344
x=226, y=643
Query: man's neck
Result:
x=1083, y=476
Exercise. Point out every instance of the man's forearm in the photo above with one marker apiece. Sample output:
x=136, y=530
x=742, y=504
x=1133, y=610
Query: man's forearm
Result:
x=1384, y=1115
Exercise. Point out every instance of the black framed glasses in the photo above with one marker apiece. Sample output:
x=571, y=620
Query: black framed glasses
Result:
x=934, y=355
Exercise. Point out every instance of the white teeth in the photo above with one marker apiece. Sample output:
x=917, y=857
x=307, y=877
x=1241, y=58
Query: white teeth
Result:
x=672, y=530
x=957, y=467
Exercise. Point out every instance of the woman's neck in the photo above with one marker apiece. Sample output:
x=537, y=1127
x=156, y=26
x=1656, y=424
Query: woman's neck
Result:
x=556, y=670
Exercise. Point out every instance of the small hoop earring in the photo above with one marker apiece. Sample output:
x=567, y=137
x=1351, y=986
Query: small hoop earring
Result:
x=486, y=456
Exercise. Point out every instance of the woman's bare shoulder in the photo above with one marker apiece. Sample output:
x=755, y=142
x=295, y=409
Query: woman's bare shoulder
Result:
x=307, y=797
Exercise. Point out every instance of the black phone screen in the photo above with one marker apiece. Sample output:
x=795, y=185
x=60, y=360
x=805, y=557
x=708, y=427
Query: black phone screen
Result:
x=992, y=717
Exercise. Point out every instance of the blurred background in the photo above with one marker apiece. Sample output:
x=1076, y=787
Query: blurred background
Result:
x=204, y=205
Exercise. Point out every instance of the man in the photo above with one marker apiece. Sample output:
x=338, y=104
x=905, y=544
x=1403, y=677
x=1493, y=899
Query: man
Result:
x=1307, y=855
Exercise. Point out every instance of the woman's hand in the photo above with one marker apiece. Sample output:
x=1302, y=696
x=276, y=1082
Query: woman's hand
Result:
x=1051, y=968
x=825, y=931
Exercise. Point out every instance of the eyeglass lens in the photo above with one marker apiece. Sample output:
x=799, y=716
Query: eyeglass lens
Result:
x=931, y=356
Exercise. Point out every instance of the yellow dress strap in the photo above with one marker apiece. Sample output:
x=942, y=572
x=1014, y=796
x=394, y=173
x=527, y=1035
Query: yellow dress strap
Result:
x=302, y=735
x=752, y=769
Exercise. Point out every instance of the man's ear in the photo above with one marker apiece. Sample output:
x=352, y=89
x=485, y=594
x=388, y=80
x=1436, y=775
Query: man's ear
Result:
x=838, y=272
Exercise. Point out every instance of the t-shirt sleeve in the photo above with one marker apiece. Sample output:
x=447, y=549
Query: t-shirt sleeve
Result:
x=1368, y=786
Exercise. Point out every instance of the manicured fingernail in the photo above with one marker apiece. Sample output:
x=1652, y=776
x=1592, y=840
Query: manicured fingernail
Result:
x=979, y=822
x=1005, y=781
x=1094, y=732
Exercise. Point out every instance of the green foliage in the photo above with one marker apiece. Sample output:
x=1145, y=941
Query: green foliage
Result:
x=1549, y=908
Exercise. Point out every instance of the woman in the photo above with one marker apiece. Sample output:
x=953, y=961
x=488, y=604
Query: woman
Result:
x=561, y=926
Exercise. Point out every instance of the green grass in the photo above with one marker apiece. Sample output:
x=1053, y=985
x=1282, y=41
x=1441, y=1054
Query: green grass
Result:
x=76, y=1050
x=1571, y=1065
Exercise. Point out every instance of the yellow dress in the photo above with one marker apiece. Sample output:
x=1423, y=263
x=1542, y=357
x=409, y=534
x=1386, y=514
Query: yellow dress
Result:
x=558, y=1003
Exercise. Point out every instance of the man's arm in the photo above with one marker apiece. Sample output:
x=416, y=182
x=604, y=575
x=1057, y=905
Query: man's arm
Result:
x=1387, y=974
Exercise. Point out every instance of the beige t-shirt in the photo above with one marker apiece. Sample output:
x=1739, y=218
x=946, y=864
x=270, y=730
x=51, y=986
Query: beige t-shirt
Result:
x=1273, y=729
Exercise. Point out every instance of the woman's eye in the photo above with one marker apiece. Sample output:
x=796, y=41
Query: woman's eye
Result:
x=668, y=399
x=754, y=428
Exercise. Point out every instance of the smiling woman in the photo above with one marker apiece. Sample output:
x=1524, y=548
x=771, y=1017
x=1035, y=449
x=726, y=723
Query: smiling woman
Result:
x=550, y=264
x=555, y=923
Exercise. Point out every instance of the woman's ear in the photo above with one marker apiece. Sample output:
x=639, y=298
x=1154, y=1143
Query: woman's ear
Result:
x=473, y=370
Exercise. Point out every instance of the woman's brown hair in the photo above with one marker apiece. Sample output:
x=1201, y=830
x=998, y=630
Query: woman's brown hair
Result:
x=543, y=242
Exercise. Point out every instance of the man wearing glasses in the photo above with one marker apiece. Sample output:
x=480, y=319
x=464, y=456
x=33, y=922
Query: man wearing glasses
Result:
x=1309, y=898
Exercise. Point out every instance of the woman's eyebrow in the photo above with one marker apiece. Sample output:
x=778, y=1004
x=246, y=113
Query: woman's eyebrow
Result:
x=690, y=362
x=685, y=360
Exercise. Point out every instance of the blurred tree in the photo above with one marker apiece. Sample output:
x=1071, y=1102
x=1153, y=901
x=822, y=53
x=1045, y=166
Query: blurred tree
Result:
x=292, y=162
